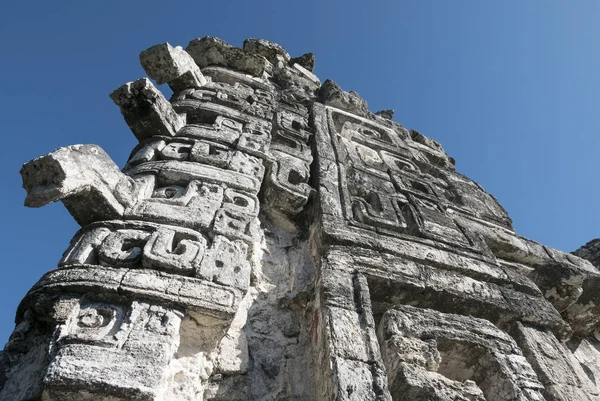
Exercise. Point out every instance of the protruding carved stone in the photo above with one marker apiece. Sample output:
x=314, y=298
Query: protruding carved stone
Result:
x=172, y=65
x=146, y=111
x=84, y=178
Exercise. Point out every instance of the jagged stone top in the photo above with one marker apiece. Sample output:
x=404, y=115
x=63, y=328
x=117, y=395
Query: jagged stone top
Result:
x=270, y=62
x=590, y=251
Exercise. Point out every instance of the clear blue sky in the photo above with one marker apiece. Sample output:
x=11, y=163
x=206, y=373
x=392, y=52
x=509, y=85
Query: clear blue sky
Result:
x=510, y=89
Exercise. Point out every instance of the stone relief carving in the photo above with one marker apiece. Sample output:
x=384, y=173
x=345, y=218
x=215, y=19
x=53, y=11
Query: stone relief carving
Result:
x=270, y=238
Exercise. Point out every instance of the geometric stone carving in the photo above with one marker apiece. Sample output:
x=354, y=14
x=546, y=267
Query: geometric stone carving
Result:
x=137, y=245
x=272, y=239
x=345, y=331
x=132, y=367
x=286, y=183
x=437, y=356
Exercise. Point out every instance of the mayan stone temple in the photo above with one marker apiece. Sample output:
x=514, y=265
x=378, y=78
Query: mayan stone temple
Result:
x=271, y=239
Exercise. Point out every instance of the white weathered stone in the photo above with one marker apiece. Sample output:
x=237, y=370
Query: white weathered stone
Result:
x=167, y=64
x=272, y=239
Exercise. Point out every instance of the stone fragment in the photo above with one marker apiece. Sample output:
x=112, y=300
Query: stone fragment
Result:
x=307, y=61
x=560, y=283
x=331, y=94
x=387, y=114
x=556, y=367
x=172, y=65
x=269, y=50
x=307, y=74
x=146, y=111
x=590, y=251
x=584, y=314
x=209, y=51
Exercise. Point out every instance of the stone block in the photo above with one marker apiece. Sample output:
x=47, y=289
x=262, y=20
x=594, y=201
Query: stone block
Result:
x=146, y=111
x=167, y=64
x=84, y=178
x=137, y=245
x=209, y=51
x=271, y=51
x=331, y=94
x=557, y=368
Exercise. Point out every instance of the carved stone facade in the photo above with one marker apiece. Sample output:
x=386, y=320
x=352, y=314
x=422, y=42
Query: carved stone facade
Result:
x=271, y=239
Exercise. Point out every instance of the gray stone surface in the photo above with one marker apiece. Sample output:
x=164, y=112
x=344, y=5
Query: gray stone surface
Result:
x=306, y=60
x=172, y=65
x=146, y=110
x=590, y=251
x=270, y=238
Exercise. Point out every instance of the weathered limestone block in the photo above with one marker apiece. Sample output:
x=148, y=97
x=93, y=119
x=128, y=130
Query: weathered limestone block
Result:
x=583, y=314
x=137, y=245
x=209, y=51
x=437, y=356
x=590, y=251
x=506, y=244
x=307, y=61
x=270, y=50
x=560, y=372
x=571, y=284
x=97, y=350
x=587, y=353
x=297, y=83
x=286, y=183
x=350, y=363
x=257, y=103
x=396, y=281
x=179, y=173
x=472, y=200
x=365, y=132
x=172, y=65
x=231, y=77
x=331, y=94
x=84, y=178
x=105, y=352
x=200, y=151
x=146, y=111
x=193, y=204
x=221, y=129
x=226, y=263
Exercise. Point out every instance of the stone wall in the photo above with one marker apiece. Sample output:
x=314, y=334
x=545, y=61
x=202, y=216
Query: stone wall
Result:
x=272, y=239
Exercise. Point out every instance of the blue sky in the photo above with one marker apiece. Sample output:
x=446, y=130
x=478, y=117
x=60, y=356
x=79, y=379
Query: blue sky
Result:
x=510, y=89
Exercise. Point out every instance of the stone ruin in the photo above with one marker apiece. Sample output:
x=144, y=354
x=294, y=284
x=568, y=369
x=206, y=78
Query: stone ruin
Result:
x=271, y=239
